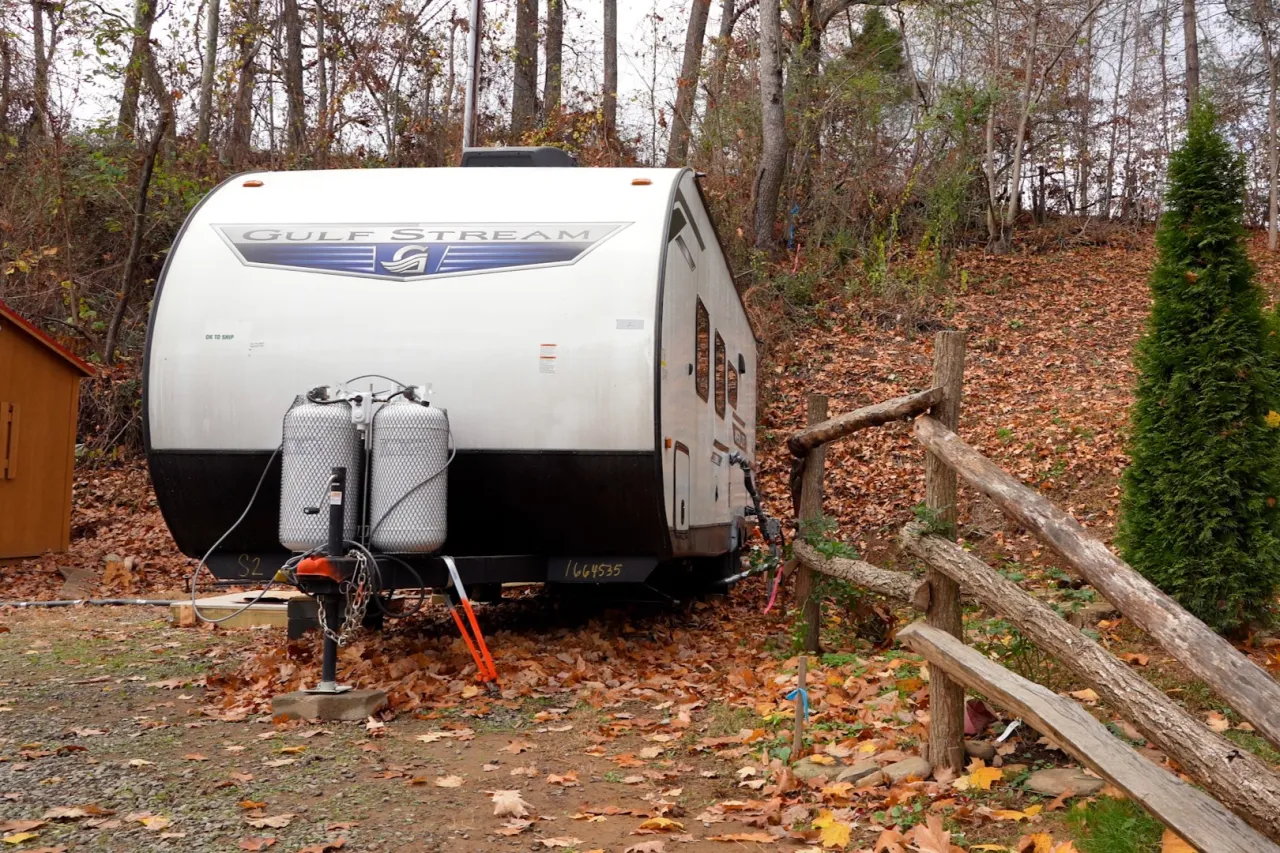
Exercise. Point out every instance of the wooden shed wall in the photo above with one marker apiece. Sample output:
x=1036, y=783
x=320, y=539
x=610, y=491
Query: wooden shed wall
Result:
x=35, y=500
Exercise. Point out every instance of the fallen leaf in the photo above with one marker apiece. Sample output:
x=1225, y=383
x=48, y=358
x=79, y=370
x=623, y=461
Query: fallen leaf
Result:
x=1217, y=721
x=1171, y=842
x=980, y=776
x=251, y=804
x=279, y=821
x=292, y=750
x=139, y=762
x=255, y=843
x=515, y=826
x=660, y=824
x=568, y=780
x=748, y=837
x=325, y=846
x=1040, y=842
x=655, y=846
x=1087, y=695
x=560, y=842
x=19, y=837
x=516, y=747
x=448, y=782
x=1135, y=658
x=21, y=825
x=508, y=804
x=195, y=756
x=833, y=833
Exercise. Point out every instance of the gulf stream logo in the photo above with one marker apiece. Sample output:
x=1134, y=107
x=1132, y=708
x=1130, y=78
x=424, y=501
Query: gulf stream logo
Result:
x=409, y=251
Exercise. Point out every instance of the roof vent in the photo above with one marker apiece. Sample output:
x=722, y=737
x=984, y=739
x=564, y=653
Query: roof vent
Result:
x=533, y=156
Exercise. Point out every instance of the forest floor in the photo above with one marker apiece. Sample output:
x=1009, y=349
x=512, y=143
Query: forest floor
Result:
x=632, y=727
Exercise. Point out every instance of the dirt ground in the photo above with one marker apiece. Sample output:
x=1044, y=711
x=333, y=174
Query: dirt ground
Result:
x=103, y=716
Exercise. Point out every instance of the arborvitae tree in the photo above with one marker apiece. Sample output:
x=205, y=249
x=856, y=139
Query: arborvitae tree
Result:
x=1199, y=509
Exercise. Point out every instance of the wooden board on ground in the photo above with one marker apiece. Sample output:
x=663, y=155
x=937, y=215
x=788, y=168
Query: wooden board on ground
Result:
x=1202, y=821
x=271, y=611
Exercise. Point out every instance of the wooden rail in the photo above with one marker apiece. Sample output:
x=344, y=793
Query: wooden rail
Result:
x=1239, y=681
x=1244, y=783
x=841, y=426
x=1198, y=818
x=1241, y=782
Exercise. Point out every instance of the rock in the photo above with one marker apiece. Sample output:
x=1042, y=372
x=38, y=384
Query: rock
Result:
x=353, y=705
x=807, y=768
x=907, y=768
x=1055, y=782
x=979, y=749
x=1093, y=613
x=858, y=772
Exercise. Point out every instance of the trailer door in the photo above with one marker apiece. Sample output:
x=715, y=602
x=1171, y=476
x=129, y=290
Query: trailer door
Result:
x=680, y=507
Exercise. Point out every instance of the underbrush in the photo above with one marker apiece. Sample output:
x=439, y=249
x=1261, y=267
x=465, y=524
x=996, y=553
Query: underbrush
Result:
x=1115, y=826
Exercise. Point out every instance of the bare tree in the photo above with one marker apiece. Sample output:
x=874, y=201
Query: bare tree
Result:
x=687, y=83
x=552, y=79
x=1191, y=46
x=773, y=155
x=40, y=82
x=248, y=41
x=720, y=60
x=205, y=118
x=144, y=18
x=1084, y=160
x=6, y=79
x=524, y=93
x=610, y=94
x=295, y=98
x=1108, y=191
x=323, y=118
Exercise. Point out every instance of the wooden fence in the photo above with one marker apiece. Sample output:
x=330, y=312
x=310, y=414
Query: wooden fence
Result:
x=1238, y=810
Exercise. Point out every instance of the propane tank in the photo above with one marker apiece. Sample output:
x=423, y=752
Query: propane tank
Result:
x=408, y=485
x=317, y=438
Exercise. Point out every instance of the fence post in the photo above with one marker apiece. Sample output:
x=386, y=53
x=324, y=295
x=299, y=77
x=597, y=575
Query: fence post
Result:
x=810, y=515
x=946, y=697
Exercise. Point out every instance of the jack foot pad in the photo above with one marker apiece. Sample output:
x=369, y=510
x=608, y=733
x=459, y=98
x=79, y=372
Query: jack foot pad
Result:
x=352, y=705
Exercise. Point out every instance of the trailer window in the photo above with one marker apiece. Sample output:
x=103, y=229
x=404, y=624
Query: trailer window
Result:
x=720, y=381
x=702, y=351
x=733, y=387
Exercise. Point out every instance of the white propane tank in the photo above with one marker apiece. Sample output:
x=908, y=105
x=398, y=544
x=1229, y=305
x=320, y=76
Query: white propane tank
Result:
x=408, y=478
x=317, y=438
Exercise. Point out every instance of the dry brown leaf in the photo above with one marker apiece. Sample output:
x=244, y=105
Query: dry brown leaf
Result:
x=567, y=780
x=516, y=747
x=745, y=837
x=279, y=821
x=448, y=782
x=256, y=843
x=508, y=804
x=560, y=842
x=515, y=826
x=325, y=846
x=657, y=845
x=660, y=824
x=1171, y=842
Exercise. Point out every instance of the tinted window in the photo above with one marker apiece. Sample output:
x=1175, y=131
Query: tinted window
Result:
x=720, y=381
x=702, y=351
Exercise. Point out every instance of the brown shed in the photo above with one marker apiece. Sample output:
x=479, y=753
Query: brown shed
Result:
x=39, y=403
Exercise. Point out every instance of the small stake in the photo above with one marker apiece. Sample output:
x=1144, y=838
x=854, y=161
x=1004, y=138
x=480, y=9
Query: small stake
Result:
x=802, y=707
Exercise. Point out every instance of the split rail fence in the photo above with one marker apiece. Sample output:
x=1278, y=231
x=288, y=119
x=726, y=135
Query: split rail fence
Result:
x=1231, y=803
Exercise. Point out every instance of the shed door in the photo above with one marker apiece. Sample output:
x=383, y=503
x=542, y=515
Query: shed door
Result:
x=681, y=509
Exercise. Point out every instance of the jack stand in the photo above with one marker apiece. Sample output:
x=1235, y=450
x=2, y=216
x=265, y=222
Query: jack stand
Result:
x=332, y=605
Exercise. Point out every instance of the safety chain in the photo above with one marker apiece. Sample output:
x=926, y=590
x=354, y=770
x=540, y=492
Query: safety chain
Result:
x=356, y=592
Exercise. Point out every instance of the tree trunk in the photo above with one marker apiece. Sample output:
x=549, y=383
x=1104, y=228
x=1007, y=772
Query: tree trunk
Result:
x=323, y=119
x=247, y=43
x=144, y=18
x=1083, y=153
x=1234, y=677
x=6, y=76
x=900, y=586
x=773, y=154
x=1108, y=192
x=989, y=161
x=295, y=98
x=552, y=81
x=135, y=243
x=524, y=92
x=842, y=426
x=1236, y=777
x=205, y=120
x=687, y=84
x=1273, y=150
x=720, y=62
x=609, y=100
x=40, y=81
x=1191, y=45
x=1005, y=241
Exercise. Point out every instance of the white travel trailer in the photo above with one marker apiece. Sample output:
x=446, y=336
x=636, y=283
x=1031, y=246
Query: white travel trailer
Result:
x=579, y=326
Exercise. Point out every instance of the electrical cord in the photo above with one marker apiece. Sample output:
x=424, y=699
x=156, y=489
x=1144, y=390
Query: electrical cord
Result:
x=204, y=560
x=422, y=591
